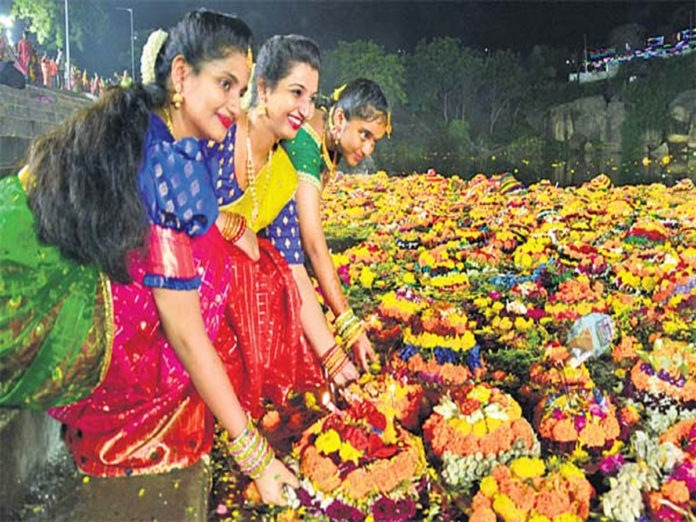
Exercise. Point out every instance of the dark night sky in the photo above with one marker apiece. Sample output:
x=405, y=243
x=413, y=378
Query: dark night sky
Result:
x=398, y=25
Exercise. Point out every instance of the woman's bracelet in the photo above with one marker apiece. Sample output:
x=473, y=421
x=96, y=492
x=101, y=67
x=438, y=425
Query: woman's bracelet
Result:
x=251, y=451
x=233, y=228
x=334, y=360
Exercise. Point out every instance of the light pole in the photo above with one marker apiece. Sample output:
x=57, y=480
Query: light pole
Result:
x=68, y=72
x=130, y=12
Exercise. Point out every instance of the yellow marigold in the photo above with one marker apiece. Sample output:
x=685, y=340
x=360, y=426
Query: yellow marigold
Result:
x=328, y=442
x=488, y=486
x=349, y=453
x=537, y=517
x=568, y=470
x=480, y=393
x=409, y=278
x=497, y=306
x=482, y=302
x=506, y=508
x=567, y=517
x=527, y=467
x=367, y=276
x=522, y=324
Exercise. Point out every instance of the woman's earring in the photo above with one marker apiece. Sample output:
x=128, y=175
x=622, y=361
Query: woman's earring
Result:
x=177, y=98
x=262, y=108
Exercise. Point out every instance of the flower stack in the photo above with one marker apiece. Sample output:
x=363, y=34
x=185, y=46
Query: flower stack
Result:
x=360, y=463
x=528, y=490
x=394, y=312
x=666, y=375
x=579, y=419
x=475, y=427
x=397, y=397
x=675, y=497
x=554, y=373
x=439, y=346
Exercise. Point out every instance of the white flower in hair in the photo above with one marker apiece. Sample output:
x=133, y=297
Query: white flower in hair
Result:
x=150, y=51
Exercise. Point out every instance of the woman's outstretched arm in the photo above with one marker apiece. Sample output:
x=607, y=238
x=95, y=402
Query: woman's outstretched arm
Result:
x=314, y=244
x=180, y=315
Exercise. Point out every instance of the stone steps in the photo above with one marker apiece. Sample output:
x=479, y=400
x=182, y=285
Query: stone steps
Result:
x=27, y=113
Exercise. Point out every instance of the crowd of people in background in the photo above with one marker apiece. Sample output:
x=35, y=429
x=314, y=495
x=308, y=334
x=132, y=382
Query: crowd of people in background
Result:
x=48, y=70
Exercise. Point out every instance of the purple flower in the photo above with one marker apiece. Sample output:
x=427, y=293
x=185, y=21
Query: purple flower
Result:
x=611, y=464
x=388, y=510
x=337, y=510
x=558, y=414
x=305, y=498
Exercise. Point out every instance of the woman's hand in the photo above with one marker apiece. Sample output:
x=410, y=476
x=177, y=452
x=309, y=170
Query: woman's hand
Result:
x=347, y=374
x=363, y=351
x=272, y=482
x=249, y=244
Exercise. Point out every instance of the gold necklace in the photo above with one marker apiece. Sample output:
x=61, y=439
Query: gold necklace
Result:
x=166, y=116
x=330, y=162
x=251, y=176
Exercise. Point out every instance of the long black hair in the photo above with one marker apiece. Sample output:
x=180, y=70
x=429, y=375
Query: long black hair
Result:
x=277, y=57
x=84, y=189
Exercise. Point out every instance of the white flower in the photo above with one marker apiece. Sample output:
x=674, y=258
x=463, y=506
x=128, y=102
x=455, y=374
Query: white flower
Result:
x=150, y=51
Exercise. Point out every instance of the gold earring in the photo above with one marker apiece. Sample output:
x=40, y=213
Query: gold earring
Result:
x=177, y=98
x=262, y=108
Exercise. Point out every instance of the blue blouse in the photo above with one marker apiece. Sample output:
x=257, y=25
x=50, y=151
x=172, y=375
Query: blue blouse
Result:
x=176, y=182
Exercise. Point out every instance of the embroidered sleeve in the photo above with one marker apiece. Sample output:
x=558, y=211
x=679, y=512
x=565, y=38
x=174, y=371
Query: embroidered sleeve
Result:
x=176, y=183
x=305, y=154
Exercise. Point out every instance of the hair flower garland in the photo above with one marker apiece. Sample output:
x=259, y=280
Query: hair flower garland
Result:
x=149, y=57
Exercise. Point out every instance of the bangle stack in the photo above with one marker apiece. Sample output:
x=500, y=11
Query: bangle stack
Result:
x=348, y=327
x=251, y=451
x=334, y=360
x=234, y=226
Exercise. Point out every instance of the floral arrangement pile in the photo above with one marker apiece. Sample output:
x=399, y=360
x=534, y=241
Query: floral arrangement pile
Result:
x=577, y=419
x=667, y=374
x=475, y=427
x=395, y=397
x=438, y=345
x=657, y=481
x=553, y=374
x=513, y=268
x=358, y=464
x=527, y=489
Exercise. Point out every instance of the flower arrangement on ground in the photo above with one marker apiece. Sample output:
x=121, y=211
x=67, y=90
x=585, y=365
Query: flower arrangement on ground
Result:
x=359, y=464
x=439, y=346
x=394, y=396
x=667, y=373
x=575, y=419
x=527, y=489
x=553, y=373
x=475, y=427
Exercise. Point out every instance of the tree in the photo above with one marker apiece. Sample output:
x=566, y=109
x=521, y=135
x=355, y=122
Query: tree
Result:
x=364, y=59
x=443, y=78
x=46, y=19
x=504, y=87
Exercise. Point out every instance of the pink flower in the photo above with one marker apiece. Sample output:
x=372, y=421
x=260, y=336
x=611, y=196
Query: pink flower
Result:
x=611, y=463
x=580, y=422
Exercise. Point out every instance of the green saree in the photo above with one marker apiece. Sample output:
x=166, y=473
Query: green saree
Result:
x=56, y=320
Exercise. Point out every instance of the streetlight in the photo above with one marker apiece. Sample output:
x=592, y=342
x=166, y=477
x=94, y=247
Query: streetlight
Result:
x=68, y=71
x=130, y=12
